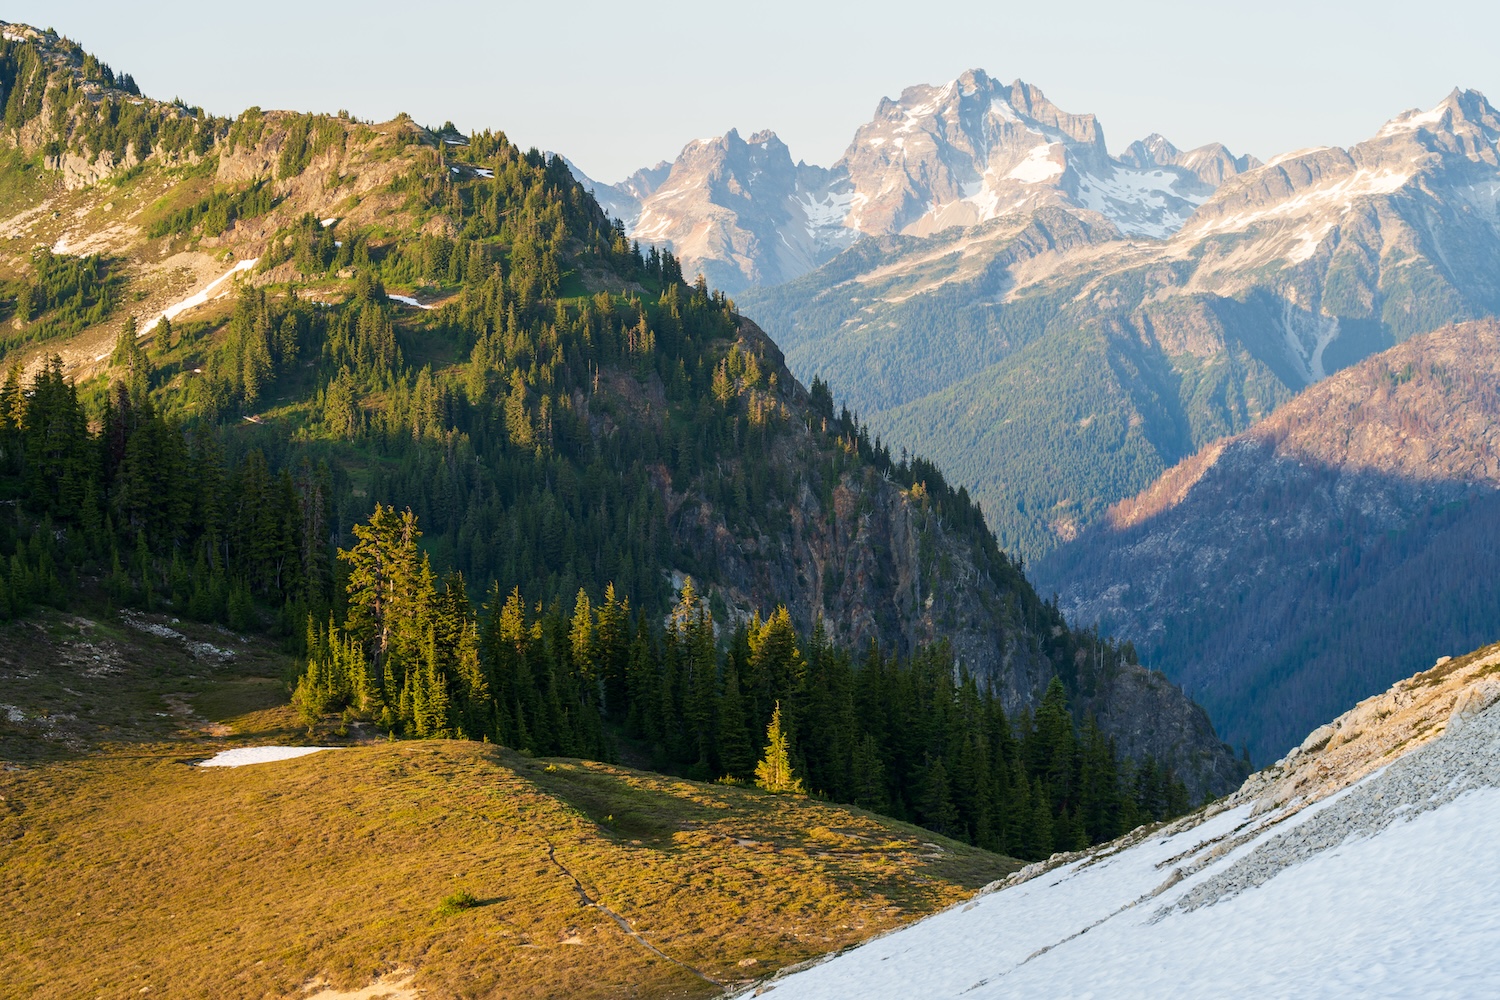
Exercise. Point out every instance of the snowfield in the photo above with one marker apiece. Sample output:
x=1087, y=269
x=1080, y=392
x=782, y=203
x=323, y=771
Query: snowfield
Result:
x=1390, y=888
x=240, y=756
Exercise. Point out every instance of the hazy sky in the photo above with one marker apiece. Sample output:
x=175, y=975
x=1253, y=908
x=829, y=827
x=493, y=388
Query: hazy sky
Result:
x=617, y=86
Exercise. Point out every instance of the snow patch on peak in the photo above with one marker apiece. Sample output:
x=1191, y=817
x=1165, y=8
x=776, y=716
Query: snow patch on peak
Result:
x=829, y=209
x=1001, y=107
x=1294, y=154
x=1141, y=202
x=1413, y=120
x=1339, y=194
x=1038, y=167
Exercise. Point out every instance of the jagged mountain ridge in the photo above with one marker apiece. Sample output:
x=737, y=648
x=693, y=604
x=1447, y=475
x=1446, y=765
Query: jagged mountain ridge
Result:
x=738, y=211
x=959, y=154
x=1286, y=572
x=331, y=179
x=1290, y=271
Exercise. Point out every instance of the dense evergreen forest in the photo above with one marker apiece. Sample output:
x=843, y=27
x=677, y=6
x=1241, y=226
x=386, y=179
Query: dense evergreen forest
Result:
x=226, y=469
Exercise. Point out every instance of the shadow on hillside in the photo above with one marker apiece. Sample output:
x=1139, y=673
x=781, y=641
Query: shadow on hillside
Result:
x=648, y=808
x=1281, y=592
x=72, y=684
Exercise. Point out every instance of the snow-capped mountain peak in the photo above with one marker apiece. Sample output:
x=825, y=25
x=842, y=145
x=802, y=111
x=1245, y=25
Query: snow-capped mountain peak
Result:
x=955, y=154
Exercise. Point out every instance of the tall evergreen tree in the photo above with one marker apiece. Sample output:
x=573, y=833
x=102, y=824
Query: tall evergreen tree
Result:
x=774, y=772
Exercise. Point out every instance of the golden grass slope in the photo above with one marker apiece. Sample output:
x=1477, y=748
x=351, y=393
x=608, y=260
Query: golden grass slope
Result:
x=123, y=866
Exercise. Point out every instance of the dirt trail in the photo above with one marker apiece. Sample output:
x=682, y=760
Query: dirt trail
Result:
x=624, y=924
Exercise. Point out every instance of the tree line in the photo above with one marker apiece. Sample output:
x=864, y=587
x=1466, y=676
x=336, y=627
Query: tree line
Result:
x=913, y=737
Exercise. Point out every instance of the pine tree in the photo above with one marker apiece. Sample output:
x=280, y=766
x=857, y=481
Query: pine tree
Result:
x=937, y=808
x=869, y=776
x=735, y=752
x=774, y=772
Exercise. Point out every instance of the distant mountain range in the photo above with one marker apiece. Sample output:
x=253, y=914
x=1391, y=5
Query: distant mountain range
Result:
x=1056, y=364
x=960, y=154
x=1057, y=352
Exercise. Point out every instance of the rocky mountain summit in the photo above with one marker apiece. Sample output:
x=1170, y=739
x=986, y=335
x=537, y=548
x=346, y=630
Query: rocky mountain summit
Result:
x=938, y=157
x=738, y=211
x=1361, y=864
x=1285, y=572
x=975, y=149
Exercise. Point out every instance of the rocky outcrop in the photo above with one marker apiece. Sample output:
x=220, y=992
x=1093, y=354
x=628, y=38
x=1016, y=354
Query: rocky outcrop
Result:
x=1412, y=714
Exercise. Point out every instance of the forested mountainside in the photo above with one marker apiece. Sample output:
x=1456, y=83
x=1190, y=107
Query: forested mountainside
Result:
x=292, y=319
x=1285, y=573
x=1148, y=349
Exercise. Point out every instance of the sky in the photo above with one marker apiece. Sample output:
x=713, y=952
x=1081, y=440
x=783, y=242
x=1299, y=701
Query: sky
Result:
x=618, y=86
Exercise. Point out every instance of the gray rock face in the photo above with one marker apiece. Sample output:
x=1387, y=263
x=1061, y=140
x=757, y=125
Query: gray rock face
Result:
x=740, y=212
x=1465, y=759
x=1212, y=164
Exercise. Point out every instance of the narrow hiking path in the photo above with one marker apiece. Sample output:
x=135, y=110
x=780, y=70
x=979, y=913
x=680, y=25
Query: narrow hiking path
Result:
x=587, y=900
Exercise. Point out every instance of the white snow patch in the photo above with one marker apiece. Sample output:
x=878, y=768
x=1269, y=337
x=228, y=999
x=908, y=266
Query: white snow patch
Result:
x=1283, y=157
x=1408, y=912
x=484, y=171
x=831, y=210
x=1413, y=120
x=198, y=298
x=1140, y=202
x=240, y=756
x=1002, y=108
x=406, y=300
x=1038, y=167
x=1386, y=889
x=1338, y=194
x=1308, y=240
x=325, y=223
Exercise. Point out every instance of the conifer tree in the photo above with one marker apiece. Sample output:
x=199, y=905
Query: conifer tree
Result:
x=774, y=772
x=736, y=755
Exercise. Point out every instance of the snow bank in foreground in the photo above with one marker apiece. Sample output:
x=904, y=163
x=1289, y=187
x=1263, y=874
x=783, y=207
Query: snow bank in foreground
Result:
x=241, y=756
x=1390, y=888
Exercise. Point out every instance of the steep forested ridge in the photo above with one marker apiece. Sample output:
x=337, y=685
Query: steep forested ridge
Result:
x=574, y=430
